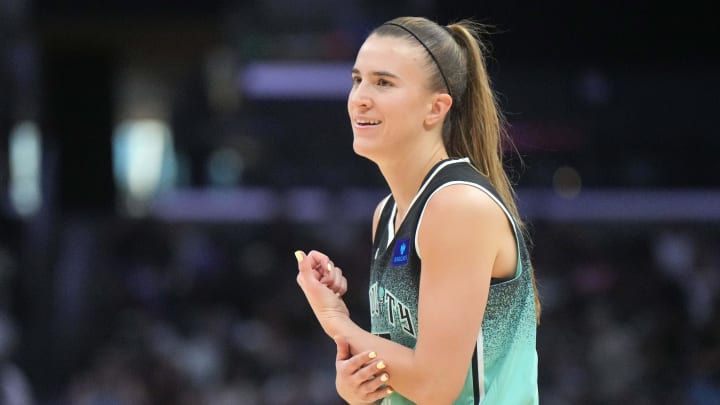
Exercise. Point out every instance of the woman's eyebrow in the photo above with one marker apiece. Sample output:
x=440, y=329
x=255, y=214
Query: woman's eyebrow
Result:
x=381, y=73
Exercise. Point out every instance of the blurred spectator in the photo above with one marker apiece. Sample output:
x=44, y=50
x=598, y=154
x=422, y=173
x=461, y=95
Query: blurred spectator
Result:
x=14, y=386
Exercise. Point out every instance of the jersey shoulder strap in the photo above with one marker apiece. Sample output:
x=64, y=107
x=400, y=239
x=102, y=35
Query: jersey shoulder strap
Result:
x=381, y=231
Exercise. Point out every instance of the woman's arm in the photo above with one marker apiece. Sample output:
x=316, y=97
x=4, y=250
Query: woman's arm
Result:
x=460, y=236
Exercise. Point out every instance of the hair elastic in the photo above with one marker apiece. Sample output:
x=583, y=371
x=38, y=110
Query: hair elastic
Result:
x=428, y=51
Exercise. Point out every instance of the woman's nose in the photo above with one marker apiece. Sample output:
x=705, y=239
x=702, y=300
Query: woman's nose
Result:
x=359, y=97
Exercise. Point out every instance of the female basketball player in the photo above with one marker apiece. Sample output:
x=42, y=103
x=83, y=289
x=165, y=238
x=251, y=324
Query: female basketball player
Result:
x=452, y=299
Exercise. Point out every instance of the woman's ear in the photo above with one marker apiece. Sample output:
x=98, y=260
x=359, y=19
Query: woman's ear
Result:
x=440, y=107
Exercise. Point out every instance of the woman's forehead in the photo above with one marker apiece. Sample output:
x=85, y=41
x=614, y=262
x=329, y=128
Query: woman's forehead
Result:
x=389, y=50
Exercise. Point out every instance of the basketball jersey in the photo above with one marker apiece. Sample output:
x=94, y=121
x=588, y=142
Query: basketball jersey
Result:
x=503, y=369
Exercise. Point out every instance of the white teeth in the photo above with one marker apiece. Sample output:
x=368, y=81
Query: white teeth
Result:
x=368, y=122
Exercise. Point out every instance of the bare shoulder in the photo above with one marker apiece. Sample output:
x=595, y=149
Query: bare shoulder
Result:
x=464, y=215
x=464, y=202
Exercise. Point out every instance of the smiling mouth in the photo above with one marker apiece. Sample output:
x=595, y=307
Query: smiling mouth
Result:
x=367, y=123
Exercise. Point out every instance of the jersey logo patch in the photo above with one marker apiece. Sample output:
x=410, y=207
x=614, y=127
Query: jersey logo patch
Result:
x=401, y=253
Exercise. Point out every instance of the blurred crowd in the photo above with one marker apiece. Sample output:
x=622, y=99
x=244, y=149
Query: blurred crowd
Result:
x=210, y=314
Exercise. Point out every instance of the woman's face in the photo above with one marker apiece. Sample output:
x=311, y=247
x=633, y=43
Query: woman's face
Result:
x=389, y=99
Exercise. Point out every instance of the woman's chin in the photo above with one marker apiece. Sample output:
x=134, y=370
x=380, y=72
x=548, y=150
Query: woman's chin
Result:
x=362, y=149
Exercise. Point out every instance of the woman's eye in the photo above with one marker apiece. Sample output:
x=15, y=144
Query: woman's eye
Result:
x=356, y=80
x=383, y=83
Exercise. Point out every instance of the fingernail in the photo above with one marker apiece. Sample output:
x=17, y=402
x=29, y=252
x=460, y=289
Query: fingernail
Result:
x=330, y=267
x=372, y=355
x=380, y=365
x=299, y=256
x=384, y=377
x=389, y=390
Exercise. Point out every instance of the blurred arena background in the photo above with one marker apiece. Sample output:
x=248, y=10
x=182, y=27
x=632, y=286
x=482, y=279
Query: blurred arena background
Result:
x=161, y=160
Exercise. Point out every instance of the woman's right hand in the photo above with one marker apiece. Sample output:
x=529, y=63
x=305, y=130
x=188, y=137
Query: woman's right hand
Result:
x=327, y=305
x=360, y=379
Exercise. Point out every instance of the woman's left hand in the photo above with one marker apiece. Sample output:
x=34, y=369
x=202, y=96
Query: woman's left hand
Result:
x=360, y=379
x=321, y=288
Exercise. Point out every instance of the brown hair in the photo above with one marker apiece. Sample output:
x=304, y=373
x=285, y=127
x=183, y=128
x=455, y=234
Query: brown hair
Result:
x=475, y=126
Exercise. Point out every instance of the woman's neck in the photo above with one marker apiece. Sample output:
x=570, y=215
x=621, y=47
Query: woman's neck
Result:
x=404, y=176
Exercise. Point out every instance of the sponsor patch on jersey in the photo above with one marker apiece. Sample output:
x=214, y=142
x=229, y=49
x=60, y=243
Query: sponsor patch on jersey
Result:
x=401, y=253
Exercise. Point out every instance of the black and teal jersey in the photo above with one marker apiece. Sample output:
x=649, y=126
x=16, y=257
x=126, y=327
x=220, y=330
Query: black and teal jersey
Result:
x=503, y=369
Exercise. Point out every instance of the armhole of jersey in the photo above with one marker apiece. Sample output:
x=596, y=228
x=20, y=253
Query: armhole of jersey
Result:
x=516, y=231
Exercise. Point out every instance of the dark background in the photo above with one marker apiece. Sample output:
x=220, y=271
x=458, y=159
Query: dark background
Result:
x=187, y=295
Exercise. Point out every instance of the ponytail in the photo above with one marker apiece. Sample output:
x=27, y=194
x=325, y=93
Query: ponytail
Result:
x=477, y=126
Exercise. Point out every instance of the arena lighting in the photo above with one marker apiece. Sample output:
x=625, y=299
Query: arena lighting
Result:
x=293, y=80
x=143, y=161
x=25, y=168
x=567, y=182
